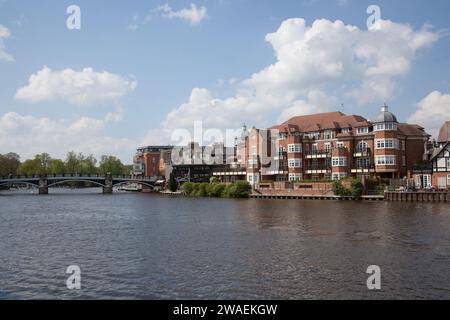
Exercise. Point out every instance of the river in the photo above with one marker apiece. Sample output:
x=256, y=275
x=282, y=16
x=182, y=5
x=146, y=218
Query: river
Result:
x=148, y=246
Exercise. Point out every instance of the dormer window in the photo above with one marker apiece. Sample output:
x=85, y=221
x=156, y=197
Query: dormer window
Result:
x=328, y=134
x=362, y=130
x=387, y=126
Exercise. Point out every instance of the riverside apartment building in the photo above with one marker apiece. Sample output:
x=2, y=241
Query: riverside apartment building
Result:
x=330, y=146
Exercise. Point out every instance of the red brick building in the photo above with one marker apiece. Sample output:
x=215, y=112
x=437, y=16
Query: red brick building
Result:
x=332, y=146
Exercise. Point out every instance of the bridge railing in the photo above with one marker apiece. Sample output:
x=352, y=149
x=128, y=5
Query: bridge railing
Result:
x=75, y=175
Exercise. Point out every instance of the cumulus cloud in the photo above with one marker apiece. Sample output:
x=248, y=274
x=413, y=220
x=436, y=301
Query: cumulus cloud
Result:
x=82, y=88
x=432, y=111
x=4, y=34
x=193, y=15
x=317, y=68
x=28, y=135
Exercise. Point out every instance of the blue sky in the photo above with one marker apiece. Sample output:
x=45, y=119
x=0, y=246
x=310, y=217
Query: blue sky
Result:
x=166, y=68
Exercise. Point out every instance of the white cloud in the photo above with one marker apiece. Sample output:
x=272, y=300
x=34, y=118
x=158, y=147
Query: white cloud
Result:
x=28, y=135
x=81, y=88
x=317, y=68
x=4, y=34
x=432, y=112
x=194, y=15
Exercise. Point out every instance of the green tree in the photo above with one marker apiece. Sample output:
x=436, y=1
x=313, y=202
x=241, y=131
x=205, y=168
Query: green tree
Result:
x=73, y=163
x=88, y=164
x=57, y=167
x=111, y=164
x=29, y=167
x=172, y=185
x=9, y=163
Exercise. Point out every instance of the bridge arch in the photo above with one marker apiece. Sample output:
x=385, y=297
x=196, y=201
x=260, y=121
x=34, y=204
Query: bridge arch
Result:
x=35, y=185
x=80, y=180
x=137, y=182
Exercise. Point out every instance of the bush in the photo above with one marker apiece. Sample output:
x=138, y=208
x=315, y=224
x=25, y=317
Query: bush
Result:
x=202, y=190
x=239, y=189
x=356, y=190
x=187, y=188
x=216, y=190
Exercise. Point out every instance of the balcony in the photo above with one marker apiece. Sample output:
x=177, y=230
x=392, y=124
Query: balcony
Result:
x=363, y=168
x=362, y=153
x=318, y=154
x=230, y=172
x=317, y=169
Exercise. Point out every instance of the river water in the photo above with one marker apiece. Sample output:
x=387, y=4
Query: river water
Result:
x=147, y=246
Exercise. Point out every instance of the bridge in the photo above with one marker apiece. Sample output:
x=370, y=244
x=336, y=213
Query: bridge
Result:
x=106, y=181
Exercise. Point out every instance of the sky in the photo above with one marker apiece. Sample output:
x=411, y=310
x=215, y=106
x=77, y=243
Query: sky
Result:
x=138, y=72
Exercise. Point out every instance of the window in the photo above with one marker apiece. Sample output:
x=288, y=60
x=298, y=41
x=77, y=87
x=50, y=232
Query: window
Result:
x=388, y=126
x=362, y=130
x=338, y=175
x=254, y=150
x=282, y=136
x=345, y=130
x=448, y=180
x=362, y=147
x=340, y=145
x=295, y=148
x=312, y=135
x=295, y=177
x=386, y=144
x=339, y=161
x=404, y=161
x=448, y=163
x=363, y=163
x=385, y=161
x=314, y=147
x=328, y=134
x=295, y=163
x=328, y=147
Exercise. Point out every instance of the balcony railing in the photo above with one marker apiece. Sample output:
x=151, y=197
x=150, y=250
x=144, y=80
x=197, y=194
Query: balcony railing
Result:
x=362, y=152
x=318, y=154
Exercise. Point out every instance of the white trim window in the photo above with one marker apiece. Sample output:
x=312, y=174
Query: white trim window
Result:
x=328, y=147
x=385, y=160
x=254, y=151
x=340, y=145
x=387, y=126
x=312, y=135
x=295, y=177
x=386, y=144
x=448, y=163
x=448, y=179
x=362, y=130
x=362, y=146
x=295, y=163
x=339, y=161
x=294, y=148
x=338, y=176
x=328, y=134
x=282, y=135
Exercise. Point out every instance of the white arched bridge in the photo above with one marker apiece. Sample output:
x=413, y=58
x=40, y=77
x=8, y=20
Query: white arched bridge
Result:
x=106, y=181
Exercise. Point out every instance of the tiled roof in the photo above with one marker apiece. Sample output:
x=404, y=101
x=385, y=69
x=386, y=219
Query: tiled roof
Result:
x=411, y=129
x=321, y=121
x=444, y=133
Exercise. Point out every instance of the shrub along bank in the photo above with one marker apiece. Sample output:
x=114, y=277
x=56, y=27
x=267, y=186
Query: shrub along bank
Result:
x=348, y=187
x=238, y=189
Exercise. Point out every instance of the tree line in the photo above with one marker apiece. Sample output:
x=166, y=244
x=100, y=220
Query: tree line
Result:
x=10, y=164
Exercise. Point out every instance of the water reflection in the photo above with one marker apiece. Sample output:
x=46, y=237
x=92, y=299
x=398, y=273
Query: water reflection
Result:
x=150, y=247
